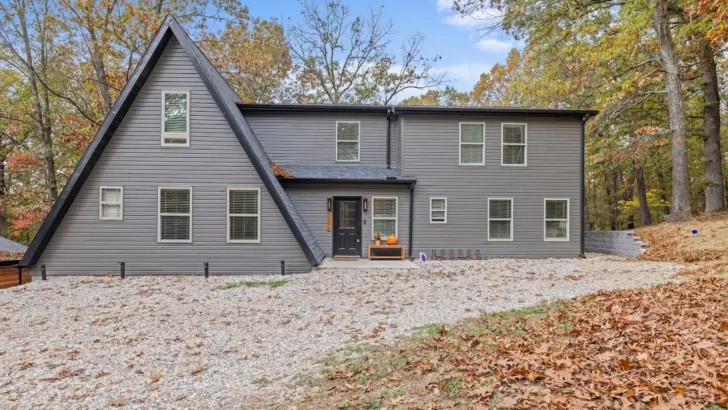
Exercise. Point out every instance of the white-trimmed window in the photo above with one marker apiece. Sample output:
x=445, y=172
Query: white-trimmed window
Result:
x=175, y=118
x=111, y=203
x=500, y=219
x=384, y=216
x=513, y=144
x=472, y=143
x=438, y=210
x=556, y=219
x=243, y=215
x=348, y=141
x=175, y=215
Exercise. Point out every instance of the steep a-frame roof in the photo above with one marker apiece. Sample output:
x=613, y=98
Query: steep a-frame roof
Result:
x=224, y=96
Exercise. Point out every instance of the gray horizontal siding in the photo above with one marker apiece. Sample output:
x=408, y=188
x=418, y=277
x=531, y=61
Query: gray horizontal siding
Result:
x=431, y=147
x=311, y=203
x=135, y=160
x=310, y=138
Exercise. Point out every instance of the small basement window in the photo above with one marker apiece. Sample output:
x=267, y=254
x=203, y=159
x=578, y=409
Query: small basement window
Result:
x=244, y=215
x=347, y=141
x=111, y=203
x=500, y=219
x=176, y=119
x=384, y=216
x=175, y=215
x=472, y=143
x=514, y=144
x=438, y=210
x=556, y=219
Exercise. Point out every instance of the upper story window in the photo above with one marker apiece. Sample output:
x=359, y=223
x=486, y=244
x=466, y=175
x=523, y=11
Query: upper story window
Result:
x=514, y=150
x=556, y=219
x=347, y=141
x=472, y=143
x=111, y=203
x=175, y=215
x=244, y=215
x=176, y=119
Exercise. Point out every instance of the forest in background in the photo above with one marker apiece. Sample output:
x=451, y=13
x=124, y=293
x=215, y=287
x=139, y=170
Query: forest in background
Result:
x=656, y=70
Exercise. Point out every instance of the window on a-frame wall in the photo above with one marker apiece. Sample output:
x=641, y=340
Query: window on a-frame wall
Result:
x=244, y=215
x=111, y=203
x=175, y=215
x=176, y=119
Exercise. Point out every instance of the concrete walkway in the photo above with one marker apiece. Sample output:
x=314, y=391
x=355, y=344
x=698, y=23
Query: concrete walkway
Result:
x=362, y=263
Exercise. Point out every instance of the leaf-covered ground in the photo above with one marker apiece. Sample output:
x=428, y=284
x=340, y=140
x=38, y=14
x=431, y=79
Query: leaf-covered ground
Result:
x=665, y=347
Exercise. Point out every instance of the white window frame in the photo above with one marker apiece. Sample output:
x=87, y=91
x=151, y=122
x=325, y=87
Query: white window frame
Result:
x=185, y=135
x=567, y=220
x=396, y=214
x=102, y=203
x=256, y=215
x=501, y=219
x=159, y=214
x=461, y=143
x=525, y=144
x=438, y=198
x=336, y=142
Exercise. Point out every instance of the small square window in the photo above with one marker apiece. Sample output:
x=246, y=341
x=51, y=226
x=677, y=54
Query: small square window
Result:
x=111, y=204
x=176, y=118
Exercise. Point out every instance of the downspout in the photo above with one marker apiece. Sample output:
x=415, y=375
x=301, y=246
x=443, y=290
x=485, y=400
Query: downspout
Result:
x=583, y=196
x=389, y=137
x=411, y=216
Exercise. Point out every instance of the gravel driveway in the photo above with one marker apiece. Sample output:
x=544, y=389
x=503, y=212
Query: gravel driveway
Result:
x=178, y=342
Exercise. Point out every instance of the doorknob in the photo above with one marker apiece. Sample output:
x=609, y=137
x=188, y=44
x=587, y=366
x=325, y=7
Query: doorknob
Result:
x=357, y=241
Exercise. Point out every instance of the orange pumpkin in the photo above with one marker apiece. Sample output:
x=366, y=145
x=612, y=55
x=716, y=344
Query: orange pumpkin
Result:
x=391, y=240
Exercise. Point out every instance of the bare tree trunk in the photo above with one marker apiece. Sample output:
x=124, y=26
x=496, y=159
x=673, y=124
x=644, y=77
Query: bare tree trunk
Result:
x=645, y=216
x=100, y=70
x=680, y=205
x=3, y=200
x=43, y=126
x=714, y=190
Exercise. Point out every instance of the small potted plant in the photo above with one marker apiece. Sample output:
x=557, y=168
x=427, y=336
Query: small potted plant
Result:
x=377, y=238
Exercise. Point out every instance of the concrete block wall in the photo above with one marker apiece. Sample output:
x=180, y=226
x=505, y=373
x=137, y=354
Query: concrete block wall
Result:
x=620, y=243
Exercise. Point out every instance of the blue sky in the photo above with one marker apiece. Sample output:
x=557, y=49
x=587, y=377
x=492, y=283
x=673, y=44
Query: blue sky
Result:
x=465, y=51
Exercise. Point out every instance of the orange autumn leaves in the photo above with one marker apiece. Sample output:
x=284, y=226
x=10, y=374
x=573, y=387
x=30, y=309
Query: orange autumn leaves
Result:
x=663, y=348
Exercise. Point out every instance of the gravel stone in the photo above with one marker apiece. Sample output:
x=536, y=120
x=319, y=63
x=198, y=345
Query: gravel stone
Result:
x=177, y=342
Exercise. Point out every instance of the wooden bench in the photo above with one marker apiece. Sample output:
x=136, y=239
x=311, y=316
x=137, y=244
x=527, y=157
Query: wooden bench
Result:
x=399, y=248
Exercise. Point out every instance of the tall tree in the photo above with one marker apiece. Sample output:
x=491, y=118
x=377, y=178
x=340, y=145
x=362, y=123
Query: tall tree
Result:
x=680, y=205
x=343, y=58
x=26, y=46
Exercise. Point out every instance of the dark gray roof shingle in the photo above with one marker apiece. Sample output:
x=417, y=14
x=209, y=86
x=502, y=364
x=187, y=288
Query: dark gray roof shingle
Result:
x=344, y=173
x=6, y=245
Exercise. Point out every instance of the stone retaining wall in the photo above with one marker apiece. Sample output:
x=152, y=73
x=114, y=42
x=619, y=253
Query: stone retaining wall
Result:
x=620, y=243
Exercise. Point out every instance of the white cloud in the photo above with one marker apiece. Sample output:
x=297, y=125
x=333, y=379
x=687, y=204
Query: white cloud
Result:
x=444, y=5
x=495, y=46
x=465, y=75
x=474, y=20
